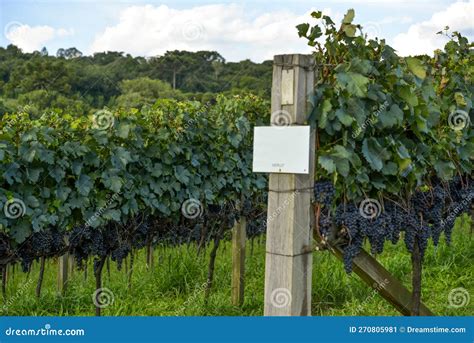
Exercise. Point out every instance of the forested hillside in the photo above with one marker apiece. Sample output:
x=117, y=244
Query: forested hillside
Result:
x=79, y=84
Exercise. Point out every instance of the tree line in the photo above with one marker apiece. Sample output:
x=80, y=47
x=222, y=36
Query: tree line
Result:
x=79, y=84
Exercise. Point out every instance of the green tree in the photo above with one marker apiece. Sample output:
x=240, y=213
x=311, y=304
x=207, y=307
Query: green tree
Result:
x=144, y=91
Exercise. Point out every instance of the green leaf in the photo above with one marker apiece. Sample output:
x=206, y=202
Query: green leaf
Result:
x=445, y=169
x=356, y=84
x=33, y=174
x=459, y=98
x=32, y=201
x=373, y=153
x=123, y=130
x=112, y=214
x=121, y=158
x=84, y=184
x=349, y=16
x=325, y=107
x=392, y=117
x=341, y=152
x=62, y=193
x=113, y=183
x=182, y=174
x=416, y=67
x=327, y=163
x=403, y=152
x=21, y=230
x=58, y=174
x=350, y=30
x=302, y=29
x=409, y=96
x=390, y=168
x=344, y=118
x=343, y=167
x=421, y=124
x=315, y=33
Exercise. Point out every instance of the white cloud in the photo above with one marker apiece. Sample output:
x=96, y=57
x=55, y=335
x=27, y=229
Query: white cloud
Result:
x=421, y=38
x=31, y=38
x=227, y=28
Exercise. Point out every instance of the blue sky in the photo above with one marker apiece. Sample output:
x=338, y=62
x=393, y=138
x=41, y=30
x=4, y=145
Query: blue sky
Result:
x=237, y=29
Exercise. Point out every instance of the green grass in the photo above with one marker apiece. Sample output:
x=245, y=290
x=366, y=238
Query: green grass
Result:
x=175, y=286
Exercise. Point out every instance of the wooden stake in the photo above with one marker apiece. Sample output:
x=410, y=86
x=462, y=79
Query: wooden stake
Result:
x=3, y=269
x=238, y=261
x=63, y=272
x=416, y=278
x=40, y=276
x=71, y=264
x=98, y=285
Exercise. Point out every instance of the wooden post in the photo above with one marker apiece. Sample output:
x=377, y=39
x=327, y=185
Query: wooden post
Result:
x=238, y=261
x=62, y=273
x=375, y=275
x=288, y=265
x=71, y=265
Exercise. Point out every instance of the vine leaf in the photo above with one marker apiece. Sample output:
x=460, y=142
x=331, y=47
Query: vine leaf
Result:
x=302, y=29
x=355, y=83
x=327, y=163
x=444, y=169
x=374, y=153
x=416, y=67
x=350, y=30
x=84, y=185
x=394, y=116
x=349, y=16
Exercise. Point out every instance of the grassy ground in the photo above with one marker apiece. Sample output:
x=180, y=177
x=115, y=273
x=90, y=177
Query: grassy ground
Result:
x=175, y=286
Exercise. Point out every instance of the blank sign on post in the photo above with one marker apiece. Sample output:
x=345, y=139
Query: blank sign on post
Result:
x=281, y=149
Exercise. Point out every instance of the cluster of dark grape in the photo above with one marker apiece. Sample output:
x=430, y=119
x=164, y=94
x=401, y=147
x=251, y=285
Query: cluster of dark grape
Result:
x=46, y=243
x=5, y=248
x=430, y=213
x=118, y=240
x=324, y=193
x=85, y=241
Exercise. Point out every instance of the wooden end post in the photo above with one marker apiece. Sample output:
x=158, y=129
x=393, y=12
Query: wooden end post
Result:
x=288, y=266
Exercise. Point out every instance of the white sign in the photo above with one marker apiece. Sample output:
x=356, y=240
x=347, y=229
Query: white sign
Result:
x=281, y=149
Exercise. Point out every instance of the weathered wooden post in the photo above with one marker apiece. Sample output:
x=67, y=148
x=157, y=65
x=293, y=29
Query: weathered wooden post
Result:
x=71, y=263
x=62, y=272
x=238, y=261
x=288, y=266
